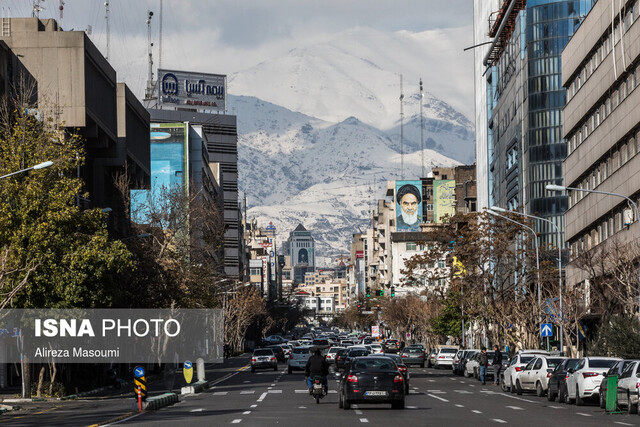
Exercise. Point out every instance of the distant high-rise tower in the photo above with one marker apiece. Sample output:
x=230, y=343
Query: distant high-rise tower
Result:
x=301, y=247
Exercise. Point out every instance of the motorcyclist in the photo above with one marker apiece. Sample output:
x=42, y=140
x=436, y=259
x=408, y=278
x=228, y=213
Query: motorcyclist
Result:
x=317, y=366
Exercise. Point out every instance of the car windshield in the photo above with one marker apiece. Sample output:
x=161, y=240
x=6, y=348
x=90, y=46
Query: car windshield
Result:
x=601, y=363
x=412, y=350
x=448, y=351
x=342, y=352
x=356, y=353
x=526, y=359
x=378, y=364
x=264, y=352
x=300, y=350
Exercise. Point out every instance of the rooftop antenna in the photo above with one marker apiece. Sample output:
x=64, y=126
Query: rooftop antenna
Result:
x=401, y=131
x=151, y=85
x=160, y=39
x=421, y=129
x=106, y=18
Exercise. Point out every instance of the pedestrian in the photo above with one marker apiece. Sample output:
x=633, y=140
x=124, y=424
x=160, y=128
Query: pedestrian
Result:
x=497, y=364
x=483, y=361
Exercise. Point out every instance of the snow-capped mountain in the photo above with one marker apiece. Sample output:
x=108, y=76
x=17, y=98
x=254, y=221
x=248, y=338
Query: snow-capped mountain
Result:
x=320, y=134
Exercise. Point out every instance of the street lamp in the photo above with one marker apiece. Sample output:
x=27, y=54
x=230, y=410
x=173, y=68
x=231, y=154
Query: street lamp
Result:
x=499, y=209
x=535, y=241
x=553, y=187
x=38, y=166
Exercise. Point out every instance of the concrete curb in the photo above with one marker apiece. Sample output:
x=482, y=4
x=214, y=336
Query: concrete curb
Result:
x=94, y=391
x=157, y=402
x=196, y=387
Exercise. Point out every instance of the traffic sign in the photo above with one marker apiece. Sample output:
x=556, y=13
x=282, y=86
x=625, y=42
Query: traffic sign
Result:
x=187, y=371
x=546, y=330
x=138, y=372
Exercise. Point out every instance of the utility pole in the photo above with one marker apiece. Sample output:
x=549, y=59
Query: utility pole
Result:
x=149, y=93
x=106, y=18
x=401, y=131
x=160, y=39
x=421, y=130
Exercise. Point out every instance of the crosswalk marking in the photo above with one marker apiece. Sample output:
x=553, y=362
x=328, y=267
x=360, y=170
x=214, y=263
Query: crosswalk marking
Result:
x=583, y=414
x=247, y=392
x=498, y=420
x=517, y=408
x=364, y=420
x=475, y=411
x=236, y=421
x=220, y=393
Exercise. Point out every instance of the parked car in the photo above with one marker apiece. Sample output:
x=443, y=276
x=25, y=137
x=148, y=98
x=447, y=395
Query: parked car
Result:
x=471, y=366
x=584, y=381
x=263, y=358
x=558, y=380
x=444, y=357
x=372, y=380
x=516, y=364
x=298, y=358
x=460, y=361
x=404, y=370
x=413, y=356
x=616, y=369
x=274, y=339
x=331, y=353
x=278, y=351
x=505, y=363
x=431, y=357
x=535, y=376
x=628, y=387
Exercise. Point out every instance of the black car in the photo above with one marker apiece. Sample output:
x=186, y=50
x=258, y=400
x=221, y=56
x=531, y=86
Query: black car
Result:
x=460, y=361
x=616, y=369
x=278, y=351
x=353, y=353
x=404, y=369
x=340, y=357
x=558, y=380
x=263, y=358
x=372, y=380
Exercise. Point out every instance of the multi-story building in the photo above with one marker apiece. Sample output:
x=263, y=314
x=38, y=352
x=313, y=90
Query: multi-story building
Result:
x=301, y=248
x=601, y=73
x=521, y=139
x=264, y=266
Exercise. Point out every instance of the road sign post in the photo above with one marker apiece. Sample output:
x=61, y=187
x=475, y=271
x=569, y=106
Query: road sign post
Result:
x=546, y=330
x=140, y=384
x=187, y=371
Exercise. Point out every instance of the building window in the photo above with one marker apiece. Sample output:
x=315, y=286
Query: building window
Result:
x=410, y=246
x=255, y=271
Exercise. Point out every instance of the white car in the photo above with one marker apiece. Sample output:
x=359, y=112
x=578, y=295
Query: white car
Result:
x=331, y=353
x=584, y=381
x=376, y=348
x=628, y=387
x=444, y=357
x=535, y=376
x=298, y=358
x=516, y=365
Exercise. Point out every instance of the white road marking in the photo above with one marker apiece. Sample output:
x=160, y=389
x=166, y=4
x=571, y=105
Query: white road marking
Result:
x=246, y=412
x=459, y=406
x=236, y=421
x=275, y=391
x=583, y=414
x=517, y=408
x=358, y=412
x=197, y=410
x=556, y=407
x=432, y=381
x=471, y=385
x=262, y=396
x=333, y=392
x=247, y=392
x=463, y=391
x=498, y=420
x=411, y=407
x=452, y=379
x=253, y=406
x=623, y=424
x=273, y=385
x=302, y=407
x=437, y=397
x=301, y=391
x=220, y=393
x=364, y=420
x=475, y=411
x=517, y=398
x=437, y=391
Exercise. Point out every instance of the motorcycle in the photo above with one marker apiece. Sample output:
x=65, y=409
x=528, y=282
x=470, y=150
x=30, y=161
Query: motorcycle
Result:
x=317, y=389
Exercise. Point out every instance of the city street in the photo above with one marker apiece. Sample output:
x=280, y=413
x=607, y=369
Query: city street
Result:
x=437, y=398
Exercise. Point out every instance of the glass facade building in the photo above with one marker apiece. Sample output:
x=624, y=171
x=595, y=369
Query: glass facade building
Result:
x=525, y=99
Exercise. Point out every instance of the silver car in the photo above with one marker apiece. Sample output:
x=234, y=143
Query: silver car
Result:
x=298, y=358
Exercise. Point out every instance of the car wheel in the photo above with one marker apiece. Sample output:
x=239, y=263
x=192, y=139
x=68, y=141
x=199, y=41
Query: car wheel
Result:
x=563, y=394
x=289, y=370
x=603, y=398
x=579, y=400
x=512, y=388
x=397, y=405
x=475, y=374
x=539, y=389
x=466, y=374
x=340, y=404
x=631, y=408
x=346, y=405
x=504, y=386
x=550, y=395
x=518, y=388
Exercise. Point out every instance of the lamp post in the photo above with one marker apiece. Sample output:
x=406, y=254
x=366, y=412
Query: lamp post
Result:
x=553, y=187
x=499, y=209
x=38, y=166
x=535, y=241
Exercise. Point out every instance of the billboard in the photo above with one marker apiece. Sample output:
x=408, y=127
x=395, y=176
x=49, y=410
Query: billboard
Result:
x=199, y=90
x=408, y=205
x=444, y=198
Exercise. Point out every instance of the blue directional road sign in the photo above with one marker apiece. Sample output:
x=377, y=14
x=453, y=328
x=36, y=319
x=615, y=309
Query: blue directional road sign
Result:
x=187, y=364
x=546, y=330
x=138, y=372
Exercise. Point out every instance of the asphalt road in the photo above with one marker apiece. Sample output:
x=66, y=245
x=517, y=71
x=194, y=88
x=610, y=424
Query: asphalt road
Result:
x=437, y=397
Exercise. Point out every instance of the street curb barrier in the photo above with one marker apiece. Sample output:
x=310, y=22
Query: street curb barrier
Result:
x=157, y=402
x=196, y=387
